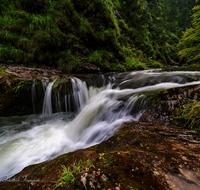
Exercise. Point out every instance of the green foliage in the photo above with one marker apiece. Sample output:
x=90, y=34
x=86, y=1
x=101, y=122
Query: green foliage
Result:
x=103, y=32
x=26, y=85
x=106, y=158
x=88, y=163
x=189, y=45
x=3, y=72
x=171, y=16
x=67, y=176
x=154, y=64
x=101, y=156
x=189, y=117
x=95, y=57
x=135, y=64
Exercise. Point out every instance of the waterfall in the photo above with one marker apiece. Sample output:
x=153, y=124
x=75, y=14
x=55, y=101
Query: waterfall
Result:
x=73, y=102
x=94, y=111
x=66, y=103
x=47, y=106
x=33, y=95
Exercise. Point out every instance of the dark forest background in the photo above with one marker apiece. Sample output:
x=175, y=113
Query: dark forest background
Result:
x=115, y=35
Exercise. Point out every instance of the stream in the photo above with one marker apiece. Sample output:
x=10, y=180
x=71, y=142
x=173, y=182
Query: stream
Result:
x=97, y=106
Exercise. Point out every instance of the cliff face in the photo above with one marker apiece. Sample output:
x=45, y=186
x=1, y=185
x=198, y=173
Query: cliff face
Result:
x=81, y=36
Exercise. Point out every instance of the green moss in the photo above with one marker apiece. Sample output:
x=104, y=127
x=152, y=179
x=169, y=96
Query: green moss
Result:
x=59, y=82
x=3, y=72
x=188, y=117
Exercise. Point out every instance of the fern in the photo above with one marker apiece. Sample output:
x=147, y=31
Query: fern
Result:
x=189, y=47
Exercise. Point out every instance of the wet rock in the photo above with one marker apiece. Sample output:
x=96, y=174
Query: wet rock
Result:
x=8, y=82
x=98, y=172
x=156, y=162
x=188, y=180
x=103, y=178
x=184, y=158
x=24, y=73
x=194, y=142
x=117, y=14
x=92, y=176
x=130, y=187
x=168, y=102
x=156, y=173
x=185, y=137
x=92, y=185
x=84, y=180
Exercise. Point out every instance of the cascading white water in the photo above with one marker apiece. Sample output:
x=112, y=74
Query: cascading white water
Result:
x=33, y=95
x=58, y=102
x=31, y=139
x=47, y=106
x=81, y=93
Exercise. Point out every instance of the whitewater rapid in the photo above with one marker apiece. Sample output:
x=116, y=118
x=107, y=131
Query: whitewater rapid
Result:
x=26, y=140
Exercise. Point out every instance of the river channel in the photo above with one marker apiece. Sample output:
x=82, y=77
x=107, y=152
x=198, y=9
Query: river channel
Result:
x=94, y=110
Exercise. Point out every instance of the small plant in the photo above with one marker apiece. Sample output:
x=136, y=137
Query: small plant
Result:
x=67, y=176
x=107, y=158
x=141, y=145
x=88, y=163
x=23, y=85
x=120, y=67
x=3, y=72
x=192, y=152
x=101, y=156
x=79, y=166
x=189, y=116
x=152, y=81
x=154, y=64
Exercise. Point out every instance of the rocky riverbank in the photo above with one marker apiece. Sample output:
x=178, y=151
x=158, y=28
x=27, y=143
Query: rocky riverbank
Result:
x=26, y=73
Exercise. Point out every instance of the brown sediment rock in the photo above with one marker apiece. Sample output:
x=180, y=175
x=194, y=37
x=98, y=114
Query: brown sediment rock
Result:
x=24, y=73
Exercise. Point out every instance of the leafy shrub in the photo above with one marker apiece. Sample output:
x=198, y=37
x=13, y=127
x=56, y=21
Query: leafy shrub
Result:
x=67, y=176
x=134, y=64
x=154, y=64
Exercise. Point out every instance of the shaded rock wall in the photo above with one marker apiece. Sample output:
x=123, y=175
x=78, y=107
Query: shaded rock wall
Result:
x=167, y=101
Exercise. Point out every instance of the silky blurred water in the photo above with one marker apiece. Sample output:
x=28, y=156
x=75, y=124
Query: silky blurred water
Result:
x=102, y=109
